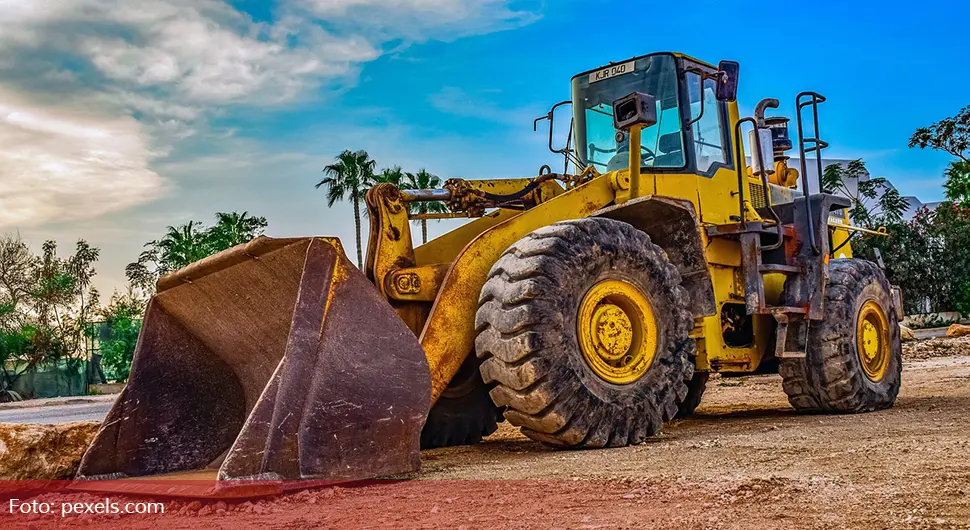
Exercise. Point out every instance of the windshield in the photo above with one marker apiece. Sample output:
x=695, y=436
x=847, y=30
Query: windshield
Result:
x=599, y=144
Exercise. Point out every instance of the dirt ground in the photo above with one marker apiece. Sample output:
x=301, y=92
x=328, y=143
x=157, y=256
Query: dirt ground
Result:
x=746, y=460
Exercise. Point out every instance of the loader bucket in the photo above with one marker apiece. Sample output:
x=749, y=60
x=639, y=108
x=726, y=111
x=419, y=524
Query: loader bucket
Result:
x=274, y=360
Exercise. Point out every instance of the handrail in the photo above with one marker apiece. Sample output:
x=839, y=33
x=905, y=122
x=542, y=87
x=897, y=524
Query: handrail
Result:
x=817, y=146
x=740, y=162
x=742, y=179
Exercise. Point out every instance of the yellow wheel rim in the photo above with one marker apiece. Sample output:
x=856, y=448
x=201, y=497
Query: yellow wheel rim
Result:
x=617, y=331
x=872, y=340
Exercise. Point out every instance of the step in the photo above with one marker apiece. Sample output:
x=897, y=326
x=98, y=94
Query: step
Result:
x=792, y=355
x=775, y=309
x=783, y=269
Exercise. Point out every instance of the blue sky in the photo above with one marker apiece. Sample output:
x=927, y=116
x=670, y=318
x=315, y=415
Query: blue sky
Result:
x=116, y=121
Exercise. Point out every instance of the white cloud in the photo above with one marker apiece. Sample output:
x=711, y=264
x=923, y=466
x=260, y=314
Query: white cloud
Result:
x=58, y=164
x=150, y=77
x=94, y=94
x=421, y=20
x=201, y=51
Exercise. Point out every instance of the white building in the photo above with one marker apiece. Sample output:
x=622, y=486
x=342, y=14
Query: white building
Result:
x=812, y=169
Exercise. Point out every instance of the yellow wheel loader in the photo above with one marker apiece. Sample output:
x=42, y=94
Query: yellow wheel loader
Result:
x=586, y=307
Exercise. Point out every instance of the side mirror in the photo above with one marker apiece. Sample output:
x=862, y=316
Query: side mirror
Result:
x=551, y=116
x=727, y=80
x=634, y=109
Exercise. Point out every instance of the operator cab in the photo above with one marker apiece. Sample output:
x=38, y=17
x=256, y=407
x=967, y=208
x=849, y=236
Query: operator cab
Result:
x=691, y=131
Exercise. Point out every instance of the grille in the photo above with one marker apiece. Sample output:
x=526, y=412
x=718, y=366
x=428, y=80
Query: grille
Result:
x=756, y=194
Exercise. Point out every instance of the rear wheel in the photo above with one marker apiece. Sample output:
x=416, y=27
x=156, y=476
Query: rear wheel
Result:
x=695, y=390
x=854, y=357
x=583, y=327
x=464, y=413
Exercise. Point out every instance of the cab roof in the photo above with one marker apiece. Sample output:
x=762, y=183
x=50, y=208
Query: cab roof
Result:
x=678, y=55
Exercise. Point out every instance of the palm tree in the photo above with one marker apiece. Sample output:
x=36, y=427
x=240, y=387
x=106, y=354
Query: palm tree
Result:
x=233, y=229
x=349, y=177
x=423, y=180
x=182, y=245
x=393, y=175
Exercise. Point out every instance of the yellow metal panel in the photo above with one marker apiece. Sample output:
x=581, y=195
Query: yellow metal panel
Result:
x=445, y=248
x=449, y=334
x=722, y=251
x=683, y=186
x=774, y=284
x=842, y=229
x=711, y=351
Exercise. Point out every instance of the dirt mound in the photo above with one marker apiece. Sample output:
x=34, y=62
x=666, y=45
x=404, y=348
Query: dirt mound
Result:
x=939, y=347
x=43, y=452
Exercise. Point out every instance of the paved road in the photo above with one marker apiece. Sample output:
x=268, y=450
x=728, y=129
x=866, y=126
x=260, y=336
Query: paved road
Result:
x=56, y=413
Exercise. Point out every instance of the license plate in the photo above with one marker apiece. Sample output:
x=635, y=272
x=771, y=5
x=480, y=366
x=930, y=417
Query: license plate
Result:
x=612, y=71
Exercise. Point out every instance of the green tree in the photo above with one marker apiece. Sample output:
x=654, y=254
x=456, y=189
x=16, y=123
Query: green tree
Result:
x=874, y=201
x=957, y=185
x=393, y=175
x=46, y=303
x=423, y=180
x=951, y=224
x=950, y=135
x=18, y=268
x=349, y=178
x=185, y=244
x=118, y=334
x=233, y=229
x=927, y=257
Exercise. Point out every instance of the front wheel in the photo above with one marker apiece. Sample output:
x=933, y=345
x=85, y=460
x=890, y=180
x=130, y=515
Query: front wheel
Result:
x=583, y=327
x=853, y=361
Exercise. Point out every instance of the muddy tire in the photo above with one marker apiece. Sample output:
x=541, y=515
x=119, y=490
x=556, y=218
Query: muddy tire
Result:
x=835, y=376
x=464, y=414
x=695, y=390
x=527, y=326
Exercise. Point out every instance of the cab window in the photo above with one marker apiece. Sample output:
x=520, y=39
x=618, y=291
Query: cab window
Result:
x=706, y=132
x=601, y=145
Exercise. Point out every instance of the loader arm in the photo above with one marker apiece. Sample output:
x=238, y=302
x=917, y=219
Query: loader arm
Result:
x=446, y=329
x=449, y=334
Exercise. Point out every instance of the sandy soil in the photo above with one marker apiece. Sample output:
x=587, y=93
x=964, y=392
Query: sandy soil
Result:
x=746, y=460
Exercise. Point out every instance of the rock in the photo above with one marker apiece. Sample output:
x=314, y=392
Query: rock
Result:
x=220, y=506
x=43, y=452
x=957, y=330
x=906, y=334
x=206, y=510
x=193, y=506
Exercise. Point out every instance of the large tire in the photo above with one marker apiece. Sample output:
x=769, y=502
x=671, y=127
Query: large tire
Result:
x=833, y=376
x=695, y=391
x=464, y=413
x=528, y=337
